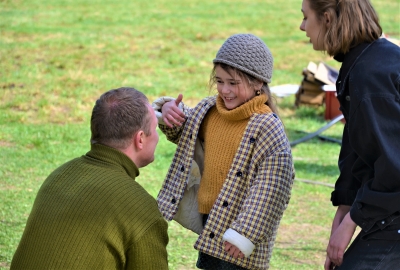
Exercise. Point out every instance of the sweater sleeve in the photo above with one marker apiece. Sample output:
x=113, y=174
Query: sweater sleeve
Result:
x=149, y=252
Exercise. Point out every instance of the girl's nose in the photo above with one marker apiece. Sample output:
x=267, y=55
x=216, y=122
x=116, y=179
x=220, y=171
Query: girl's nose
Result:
x=225, y=88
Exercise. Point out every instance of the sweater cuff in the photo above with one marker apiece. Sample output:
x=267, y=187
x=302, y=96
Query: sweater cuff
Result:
x=241, y=242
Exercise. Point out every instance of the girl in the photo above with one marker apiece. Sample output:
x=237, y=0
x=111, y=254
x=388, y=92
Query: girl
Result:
x=367, y=191
x=231, y=177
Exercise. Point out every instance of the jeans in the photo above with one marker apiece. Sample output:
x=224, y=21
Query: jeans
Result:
x=371, y=254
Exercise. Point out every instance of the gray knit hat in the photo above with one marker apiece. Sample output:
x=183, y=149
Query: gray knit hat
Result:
x=247, y=53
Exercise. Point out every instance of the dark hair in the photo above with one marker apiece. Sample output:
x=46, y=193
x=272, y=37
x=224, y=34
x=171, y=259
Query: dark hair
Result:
x=351, y=22
x=244, y=76
x=117, y=115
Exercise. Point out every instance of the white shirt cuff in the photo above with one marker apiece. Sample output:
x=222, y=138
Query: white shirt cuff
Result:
x=241, y=242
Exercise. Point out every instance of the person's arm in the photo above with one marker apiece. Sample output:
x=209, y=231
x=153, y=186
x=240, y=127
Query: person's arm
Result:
x=371, y=133
x=346, y=185
x=374, y=131
x=341, y=212
x=237, y=245
x=150, y=251
x=270, y=189
x=339, y=241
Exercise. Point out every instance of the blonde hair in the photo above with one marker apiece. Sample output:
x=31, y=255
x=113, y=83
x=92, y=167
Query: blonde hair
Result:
x=352, y=22
x=249, y=79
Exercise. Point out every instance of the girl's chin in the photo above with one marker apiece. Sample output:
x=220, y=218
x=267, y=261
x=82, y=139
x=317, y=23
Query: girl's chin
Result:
x=229, y=105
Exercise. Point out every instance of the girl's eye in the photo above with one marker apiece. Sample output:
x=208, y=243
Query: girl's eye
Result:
x=218, y=81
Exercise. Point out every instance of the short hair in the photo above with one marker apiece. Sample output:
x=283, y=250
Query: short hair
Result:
x=251, y=80
x=352, y=23
x=117, y=115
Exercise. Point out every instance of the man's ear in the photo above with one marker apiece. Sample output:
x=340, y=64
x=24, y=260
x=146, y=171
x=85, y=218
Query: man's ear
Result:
x=138, y=140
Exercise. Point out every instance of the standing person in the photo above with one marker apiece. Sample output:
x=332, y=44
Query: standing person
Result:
x=231, y=177
x=90, y=213
x=367, y=191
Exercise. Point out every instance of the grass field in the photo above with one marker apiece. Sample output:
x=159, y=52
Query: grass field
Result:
x=58, y=56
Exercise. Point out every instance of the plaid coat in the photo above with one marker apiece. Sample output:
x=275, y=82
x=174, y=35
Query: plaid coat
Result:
x=254, y=195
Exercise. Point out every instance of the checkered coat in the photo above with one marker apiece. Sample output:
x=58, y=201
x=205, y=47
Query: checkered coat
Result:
x=253, y=197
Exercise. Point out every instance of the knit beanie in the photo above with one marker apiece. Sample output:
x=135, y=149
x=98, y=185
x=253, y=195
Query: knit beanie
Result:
x=247, y=53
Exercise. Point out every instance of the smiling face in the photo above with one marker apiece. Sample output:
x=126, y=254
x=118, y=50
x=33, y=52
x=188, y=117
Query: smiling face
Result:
x=233, y=90
x=313, y=27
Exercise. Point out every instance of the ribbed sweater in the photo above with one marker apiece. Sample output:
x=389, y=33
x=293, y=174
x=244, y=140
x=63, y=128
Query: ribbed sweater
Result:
x=90, y=213
x=222, y=131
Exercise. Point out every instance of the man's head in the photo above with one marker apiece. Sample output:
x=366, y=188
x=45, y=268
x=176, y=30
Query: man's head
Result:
x=123, y=119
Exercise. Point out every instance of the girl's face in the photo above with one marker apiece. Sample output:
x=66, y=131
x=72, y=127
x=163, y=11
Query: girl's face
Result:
x=234, y=91
x=312, y=26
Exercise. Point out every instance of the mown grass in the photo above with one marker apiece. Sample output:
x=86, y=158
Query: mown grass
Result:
x=57, y=57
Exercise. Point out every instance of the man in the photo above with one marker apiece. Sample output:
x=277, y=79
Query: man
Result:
x=90, y=213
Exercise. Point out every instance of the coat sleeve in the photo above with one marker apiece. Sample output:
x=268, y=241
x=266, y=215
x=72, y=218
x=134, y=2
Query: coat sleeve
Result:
x=270, y=185
x=150, y=251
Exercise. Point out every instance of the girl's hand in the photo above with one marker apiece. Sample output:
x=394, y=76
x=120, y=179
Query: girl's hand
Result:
x=172, y=114
x=233, y=250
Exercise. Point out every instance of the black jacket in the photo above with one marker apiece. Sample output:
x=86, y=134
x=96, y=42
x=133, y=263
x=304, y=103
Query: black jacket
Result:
x=368, y=89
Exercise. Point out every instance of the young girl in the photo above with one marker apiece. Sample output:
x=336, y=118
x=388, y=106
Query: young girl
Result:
x=231, y=177
x=367, y=191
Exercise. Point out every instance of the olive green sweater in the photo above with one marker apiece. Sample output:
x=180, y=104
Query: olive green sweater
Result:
x=91, y=214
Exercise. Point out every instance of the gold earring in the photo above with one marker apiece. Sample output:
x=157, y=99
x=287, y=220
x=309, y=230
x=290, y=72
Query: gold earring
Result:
x=258, y=92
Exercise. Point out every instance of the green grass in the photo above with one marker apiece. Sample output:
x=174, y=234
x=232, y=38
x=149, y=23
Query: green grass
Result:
x=57, y=57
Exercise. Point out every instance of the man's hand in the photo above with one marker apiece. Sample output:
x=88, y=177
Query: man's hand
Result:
x=233, y=250
x=172, y=114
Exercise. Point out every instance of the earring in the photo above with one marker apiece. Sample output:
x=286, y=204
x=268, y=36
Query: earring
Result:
x=258, y=92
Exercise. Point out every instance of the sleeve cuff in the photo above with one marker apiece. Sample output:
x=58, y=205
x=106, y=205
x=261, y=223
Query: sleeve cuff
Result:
x=157, y=105
x=343, y=197
x=241, y=242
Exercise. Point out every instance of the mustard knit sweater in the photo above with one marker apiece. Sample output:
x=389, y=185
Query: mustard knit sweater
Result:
x=90, y=213
x=222, y=131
